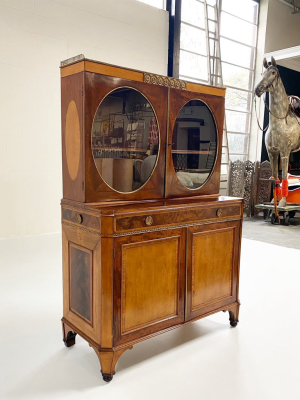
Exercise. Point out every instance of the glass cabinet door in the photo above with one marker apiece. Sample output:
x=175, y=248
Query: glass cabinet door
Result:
x=125, y=139
x=194, y=144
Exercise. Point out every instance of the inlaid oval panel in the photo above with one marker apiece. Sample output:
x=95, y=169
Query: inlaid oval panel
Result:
x=72, y=140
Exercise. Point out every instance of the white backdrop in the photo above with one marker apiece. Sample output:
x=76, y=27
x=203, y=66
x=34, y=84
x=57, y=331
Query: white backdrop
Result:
x=35, y=35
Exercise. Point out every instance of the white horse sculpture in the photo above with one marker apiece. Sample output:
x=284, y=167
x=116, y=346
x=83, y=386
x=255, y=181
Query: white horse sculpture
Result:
x=283, y=134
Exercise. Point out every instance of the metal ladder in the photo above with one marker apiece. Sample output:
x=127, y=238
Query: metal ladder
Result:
x=215, y=78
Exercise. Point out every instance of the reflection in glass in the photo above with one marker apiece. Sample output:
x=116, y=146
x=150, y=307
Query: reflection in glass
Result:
x=125, y=139
x=194, y=147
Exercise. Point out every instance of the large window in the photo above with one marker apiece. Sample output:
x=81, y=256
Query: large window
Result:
x=237, y=33
x=238, y=48
x=193, y=44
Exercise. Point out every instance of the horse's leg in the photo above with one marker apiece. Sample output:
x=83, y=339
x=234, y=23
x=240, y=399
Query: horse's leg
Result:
x=273, y=156
x=284, y=186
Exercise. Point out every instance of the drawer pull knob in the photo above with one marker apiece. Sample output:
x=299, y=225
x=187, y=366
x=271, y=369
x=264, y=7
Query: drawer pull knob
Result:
x=79, y=218
x=149, y=220
x=219, y=212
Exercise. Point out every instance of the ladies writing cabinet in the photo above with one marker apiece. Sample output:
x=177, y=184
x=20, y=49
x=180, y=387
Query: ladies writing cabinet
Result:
x=148, y=242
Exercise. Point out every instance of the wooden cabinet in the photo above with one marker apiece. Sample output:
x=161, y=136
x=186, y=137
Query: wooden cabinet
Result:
x=148, y=242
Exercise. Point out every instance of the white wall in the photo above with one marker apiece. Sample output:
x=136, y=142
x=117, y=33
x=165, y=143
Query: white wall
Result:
x=283, y=27
x=35, y=35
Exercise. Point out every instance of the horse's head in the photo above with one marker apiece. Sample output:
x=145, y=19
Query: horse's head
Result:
x=269, y=79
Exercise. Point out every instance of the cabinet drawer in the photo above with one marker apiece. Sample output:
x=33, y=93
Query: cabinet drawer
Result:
x=81, y=218
x=186, y=216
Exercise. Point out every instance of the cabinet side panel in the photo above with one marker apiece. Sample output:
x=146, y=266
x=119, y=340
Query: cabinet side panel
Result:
x=72, y=136
x=81, y=281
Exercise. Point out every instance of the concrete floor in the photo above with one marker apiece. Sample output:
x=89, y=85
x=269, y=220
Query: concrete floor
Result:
x=259, y=359
x=256, y=228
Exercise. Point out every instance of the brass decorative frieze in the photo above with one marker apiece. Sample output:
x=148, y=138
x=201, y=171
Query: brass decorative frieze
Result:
x=164, y=81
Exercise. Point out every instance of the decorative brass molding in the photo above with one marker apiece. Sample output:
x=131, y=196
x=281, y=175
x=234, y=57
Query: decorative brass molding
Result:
x=164, y=81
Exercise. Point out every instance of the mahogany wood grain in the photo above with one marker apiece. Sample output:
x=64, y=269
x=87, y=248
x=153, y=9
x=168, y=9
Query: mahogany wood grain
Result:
x=112, y=70
x=81, y=218
x=96, y=88
x=171, y=216
x=211, y=277
x=89, y=242
x=120, y=72
x=212, y=281
x=81, y=279
x=107, y=274
x=149, y=283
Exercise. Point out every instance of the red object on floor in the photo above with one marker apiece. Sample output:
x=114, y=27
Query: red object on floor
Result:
x=277, y=186
x=285, y=188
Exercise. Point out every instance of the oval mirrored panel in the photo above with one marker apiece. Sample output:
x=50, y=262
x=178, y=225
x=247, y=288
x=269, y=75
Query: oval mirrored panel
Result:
x=125, y=139
x=194, y=144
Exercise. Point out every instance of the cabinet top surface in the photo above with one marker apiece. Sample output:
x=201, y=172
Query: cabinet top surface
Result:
x=145, y=206
x=79, y=63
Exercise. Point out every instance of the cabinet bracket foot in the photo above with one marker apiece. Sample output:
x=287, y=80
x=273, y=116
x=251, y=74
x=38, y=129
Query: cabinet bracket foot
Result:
x=108, y=360
x=234, y=314
x=68, y=335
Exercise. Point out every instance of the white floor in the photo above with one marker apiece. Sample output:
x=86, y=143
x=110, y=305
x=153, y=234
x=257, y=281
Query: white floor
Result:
x=258, y=360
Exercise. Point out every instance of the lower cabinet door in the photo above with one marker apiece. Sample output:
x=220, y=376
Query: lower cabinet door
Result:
x=212, y=267
x=149, y=283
